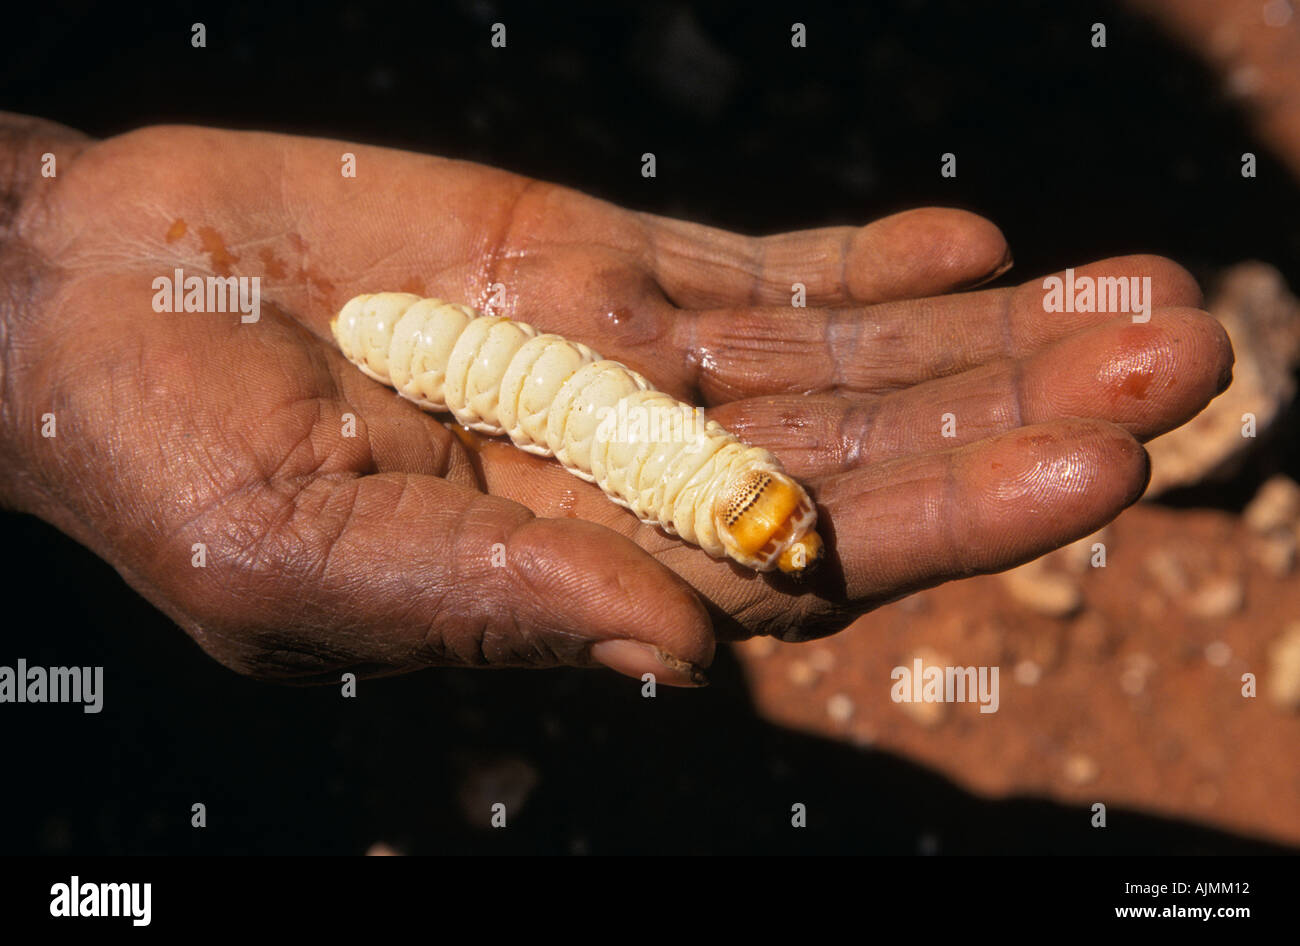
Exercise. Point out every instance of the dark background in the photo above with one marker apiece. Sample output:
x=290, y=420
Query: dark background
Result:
x=1077, y=153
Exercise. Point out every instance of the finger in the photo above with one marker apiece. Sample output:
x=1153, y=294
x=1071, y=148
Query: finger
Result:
x=907, y=524
x=735, y=353
x=393, y=572
x=1147, y=378
x=917, y=253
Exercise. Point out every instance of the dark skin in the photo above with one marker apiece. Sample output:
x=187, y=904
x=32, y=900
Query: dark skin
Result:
x=372, y=554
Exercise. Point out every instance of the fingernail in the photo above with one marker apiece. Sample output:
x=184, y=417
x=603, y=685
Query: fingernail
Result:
x=1006, y=263
x=635, y=659
x=1225, y=379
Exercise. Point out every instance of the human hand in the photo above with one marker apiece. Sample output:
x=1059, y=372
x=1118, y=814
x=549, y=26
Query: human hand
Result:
x=373, y=553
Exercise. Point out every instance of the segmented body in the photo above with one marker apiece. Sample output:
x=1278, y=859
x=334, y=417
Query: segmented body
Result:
x=551, y=396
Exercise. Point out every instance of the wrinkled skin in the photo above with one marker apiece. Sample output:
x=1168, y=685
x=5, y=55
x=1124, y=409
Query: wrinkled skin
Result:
x=373, y=553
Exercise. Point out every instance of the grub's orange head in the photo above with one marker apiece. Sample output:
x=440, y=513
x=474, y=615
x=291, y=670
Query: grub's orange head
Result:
x=766, y=521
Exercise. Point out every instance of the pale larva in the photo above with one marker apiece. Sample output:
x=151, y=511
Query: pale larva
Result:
x=554, y=397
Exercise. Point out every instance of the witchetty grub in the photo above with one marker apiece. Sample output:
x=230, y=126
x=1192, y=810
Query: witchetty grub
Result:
x=557, y=398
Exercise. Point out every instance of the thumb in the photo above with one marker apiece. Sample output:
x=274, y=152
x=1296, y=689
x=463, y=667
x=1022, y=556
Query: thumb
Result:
x=395, y=571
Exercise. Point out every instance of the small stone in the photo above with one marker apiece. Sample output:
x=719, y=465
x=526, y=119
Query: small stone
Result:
x=801, y=673
x=822, y=660
x=1276, y=506
x=1217, y=654
x=508, y=780
x=1133, y=678
x=1275, y=552
x=1080, y=769
x=1028, y=673
x=918, y=603
x=1217, y=598
x=926, y=714
x=839, y=708
x=1052, y=594
x=1277, y=13
x=1163, y=565
x=1243, y=81
x=1283, y=681
x=1259, y=314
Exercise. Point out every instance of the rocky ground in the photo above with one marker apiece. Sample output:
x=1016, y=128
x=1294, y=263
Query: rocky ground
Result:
x=1120, y=685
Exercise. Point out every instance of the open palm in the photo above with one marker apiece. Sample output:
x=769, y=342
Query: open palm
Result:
x=374, y=552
